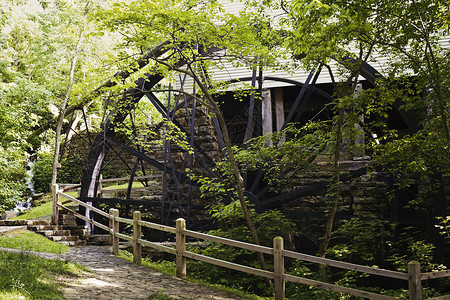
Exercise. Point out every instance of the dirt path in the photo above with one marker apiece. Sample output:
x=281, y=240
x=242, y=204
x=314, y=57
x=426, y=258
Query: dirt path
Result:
x=115, y=278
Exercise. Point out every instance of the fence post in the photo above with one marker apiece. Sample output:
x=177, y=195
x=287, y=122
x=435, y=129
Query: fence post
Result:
x=278, y=267
x=114, y=225
x=100, y=186
x=55, y=216
x=137, y=247
x=414, y=282
x=111, y=224
x=181, y=248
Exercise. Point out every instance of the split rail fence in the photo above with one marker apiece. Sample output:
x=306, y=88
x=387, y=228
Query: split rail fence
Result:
x=414, y=275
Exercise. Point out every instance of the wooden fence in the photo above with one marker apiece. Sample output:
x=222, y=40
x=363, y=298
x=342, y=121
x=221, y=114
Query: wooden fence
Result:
x=414, y=275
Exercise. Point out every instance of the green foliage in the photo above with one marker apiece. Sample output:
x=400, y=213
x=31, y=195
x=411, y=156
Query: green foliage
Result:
x=71, y=171
x=12, y=162
x=282, y=154
x=232, y=225
x=36, y=42
x=159, y=296
x=31, y=277
x=408, y=247
x=413, y=159
x=360, y=240
x=444, y=226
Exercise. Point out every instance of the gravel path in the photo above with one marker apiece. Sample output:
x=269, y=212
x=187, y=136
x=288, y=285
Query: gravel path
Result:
x=115, y=278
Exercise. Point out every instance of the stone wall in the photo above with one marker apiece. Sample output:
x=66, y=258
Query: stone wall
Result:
x=361, y=196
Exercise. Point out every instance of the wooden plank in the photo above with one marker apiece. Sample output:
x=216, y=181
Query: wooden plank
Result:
x=123, y=236
x=229, y=242
x=80, y=216
x=100, y=225
x=432, y=275
x=139, y=189
x=346, y=266
x=158, y=227
x=445, y=297
x=279, y=108
x=230, y=265
x=128, y=178
x=124, y=220
x=73, y=187
x=99, y=211
x=335, y=288
x=267, y=120
x=158, y=247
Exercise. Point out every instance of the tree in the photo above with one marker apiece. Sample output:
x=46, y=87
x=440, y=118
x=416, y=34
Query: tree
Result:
x=191, y=37
x=408, y=35
x=36, y=42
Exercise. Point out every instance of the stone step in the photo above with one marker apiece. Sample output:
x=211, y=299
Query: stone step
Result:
x=48, y=233
x=42, y=227
x=73, y=243
x=39, y=222
x=60, y=238
x=14, y=222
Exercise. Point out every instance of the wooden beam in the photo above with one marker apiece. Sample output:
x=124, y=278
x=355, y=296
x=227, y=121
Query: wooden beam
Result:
x=267, y=123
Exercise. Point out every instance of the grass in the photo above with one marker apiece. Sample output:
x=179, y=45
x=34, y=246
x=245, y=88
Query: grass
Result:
x=44, y=209
x=136, y=184
x=159, y=296
x=31, y=277
x=36, y=212
x=27, y=240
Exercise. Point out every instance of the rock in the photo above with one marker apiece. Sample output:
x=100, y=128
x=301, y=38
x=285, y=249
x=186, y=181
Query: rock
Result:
x=9, y=214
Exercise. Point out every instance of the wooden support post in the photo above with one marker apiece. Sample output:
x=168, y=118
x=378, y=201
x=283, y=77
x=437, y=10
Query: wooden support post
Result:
x=114, y=224
x=137, y=229
x=100, y=186
x=181, y=248
x=55, y=214
x=359, y=140
x=267, y=125
x=279, y=111
x=111, y=225
x=414, y=282
x=278, y=266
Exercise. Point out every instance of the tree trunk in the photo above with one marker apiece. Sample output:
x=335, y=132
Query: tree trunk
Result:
x=237, y=174
x=337, y=186
x=62, y=112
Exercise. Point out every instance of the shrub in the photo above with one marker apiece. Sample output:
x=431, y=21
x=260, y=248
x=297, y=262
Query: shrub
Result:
x=233, y=226
x=71, y=171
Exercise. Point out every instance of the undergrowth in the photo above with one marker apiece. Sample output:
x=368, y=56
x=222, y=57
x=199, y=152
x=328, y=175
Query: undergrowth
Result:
x=169, y=268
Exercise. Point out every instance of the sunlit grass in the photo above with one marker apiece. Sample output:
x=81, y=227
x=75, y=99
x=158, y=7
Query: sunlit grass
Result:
x=31, y=277
x=36, y=212
x=27, y=240
x=136, y=184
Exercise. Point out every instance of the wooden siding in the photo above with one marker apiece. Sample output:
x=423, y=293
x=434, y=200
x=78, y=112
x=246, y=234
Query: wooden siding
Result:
x=229, y=72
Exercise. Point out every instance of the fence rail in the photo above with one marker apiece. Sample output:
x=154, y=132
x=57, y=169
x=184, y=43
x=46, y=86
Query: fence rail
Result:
x=414, y=276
